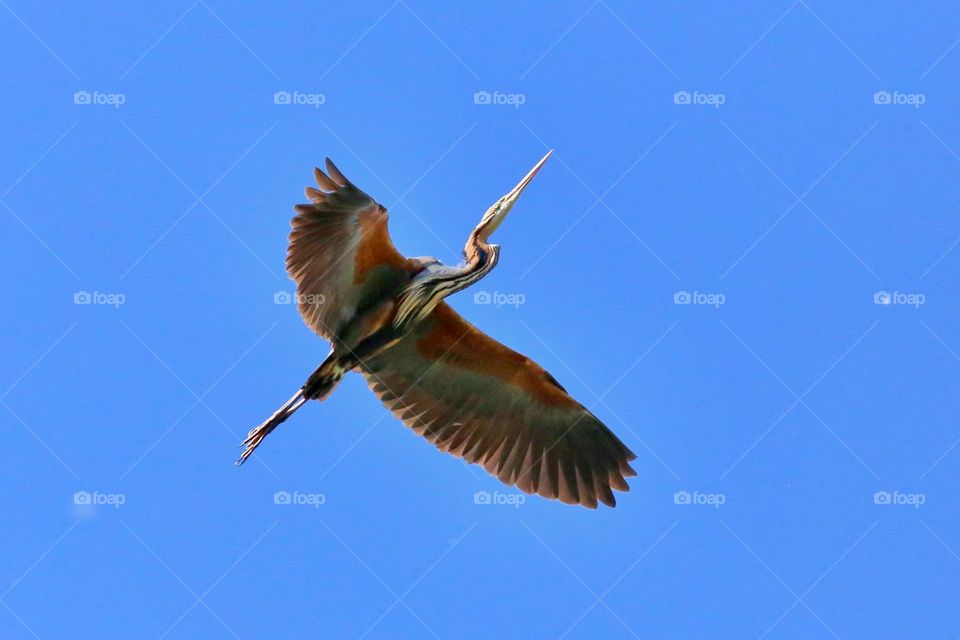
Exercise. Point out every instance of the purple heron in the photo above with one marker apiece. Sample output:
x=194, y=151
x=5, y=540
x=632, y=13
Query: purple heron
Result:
x=463, y=391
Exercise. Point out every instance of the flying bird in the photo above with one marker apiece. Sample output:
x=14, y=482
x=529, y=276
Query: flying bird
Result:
x=385, y=317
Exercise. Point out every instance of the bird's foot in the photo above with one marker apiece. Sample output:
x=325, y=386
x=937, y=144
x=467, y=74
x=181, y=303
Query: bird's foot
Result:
x=257, y=434
x=255, y=437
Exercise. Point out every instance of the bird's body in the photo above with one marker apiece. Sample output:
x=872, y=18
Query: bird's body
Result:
x=466, y=393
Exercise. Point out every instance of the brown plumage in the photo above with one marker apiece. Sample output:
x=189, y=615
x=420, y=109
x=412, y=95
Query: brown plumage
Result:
x=473, y=397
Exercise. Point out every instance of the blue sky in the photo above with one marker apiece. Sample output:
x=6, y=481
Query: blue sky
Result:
x=735, y=186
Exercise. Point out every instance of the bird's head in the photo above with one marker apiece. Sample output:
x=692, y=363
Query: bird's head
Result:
x=496, y=214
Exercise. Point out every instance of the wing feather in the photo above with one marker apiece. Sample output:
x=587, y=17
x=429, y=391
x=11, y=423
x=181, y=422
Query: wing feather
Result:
x=341, y=256
x=495, y=407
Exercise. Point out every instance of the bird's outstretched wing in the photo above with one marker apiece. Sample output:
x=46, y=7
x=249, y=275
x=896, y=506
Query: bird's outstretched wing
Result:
x=340, y=254
x=477, y=399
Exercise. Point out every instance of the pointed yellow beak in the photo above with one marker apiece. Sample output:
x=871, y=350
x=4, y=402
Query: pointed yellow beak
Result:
x=496, y=214
x=517, y=190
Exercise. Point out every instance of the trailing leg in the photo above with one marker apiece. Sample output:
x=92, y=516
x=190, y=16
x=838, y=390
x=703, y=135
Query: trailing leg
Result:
x=317, y=387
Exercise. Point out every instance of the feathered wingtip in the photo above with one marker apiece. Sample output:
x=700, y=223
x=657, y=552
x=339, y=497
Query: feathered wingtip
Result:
x=327, y=183
x=336, y=174
x=324, y=181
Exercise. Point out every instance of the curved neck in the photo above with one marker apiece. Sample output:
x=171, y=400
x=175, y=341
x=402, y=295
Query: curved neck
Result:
x=428, y=289
x=480, y=259
x=476, y=252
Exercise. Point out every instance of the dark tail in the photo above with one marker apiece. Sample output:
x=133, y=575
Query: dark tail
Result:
x=317, y=387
